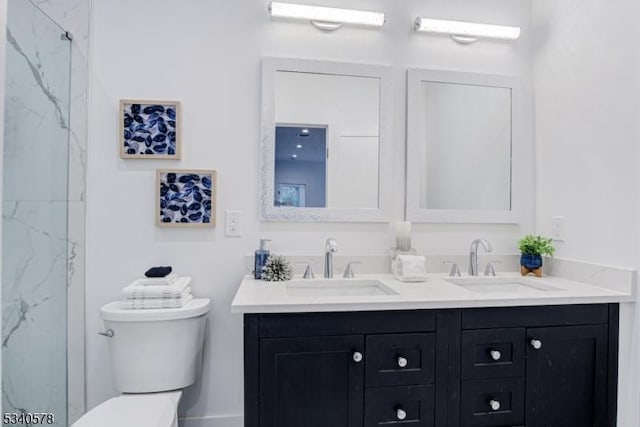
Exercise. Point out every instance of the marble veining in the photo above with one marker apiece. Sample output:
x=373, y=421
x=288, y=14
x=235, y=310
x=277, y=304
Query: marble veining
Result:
x=36, y=72
x=45, y=134
x=73, y=16
x=37, y=107
x=34, y=305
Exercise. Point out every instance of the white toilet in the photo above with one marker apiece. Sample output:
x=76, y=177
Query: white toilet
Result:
x=155, y=353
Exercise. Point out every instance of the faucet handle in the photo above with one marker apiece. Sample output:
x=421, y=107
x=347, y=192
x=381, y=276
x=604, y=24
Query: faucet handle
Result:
x=348, y=272
x=490, y=269
x=308, y=271
x=455, y=270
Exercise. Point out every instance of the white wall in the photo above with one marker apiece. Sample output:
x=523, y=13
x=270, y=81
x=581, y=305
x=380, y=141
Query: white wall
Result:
x=586, y=87
x=208, y=55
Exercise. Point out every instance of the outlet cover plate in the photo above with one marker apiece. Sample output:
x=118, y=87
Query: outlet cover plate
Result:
x=557, y=228
x=233, y=224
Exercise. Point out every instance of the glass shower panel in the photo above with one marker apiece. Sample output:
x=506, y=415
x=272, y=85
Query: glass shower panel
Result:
x=35, y=202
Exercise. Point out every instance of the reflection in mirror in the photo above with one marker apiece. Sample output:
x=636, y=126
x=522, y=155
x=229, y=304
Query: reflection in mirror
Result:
x=462, y=155
x=301, y=166
x=466, y=147
x=325, y=141
x=342, y=170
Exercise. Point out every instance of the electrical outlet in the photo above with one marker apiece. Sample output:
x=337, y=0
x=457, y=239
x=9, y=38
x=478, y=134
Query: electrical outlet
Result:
x=557, y=228
x=232, y=224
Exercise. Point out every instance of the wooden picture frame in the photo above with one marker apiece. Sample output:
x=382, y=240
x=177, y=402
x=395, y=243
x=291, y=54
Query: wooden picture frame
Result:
x=150, y=129
x=186, y=198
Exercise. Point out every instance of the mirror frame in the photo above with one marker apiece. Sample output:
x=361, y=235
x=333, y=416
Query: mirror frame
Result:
x=269, y=212
x=415, y=104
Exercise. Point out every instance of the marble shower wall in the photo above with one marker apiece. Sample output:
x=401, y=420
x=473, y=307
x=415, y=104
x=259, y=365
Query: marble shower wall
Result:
x=75, y=17
x=44, y=208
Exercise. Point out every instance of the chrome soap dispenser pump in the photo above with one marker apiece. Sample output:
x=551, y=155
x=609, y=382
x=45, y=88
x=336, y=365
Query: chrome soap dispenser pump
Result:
x=260, y=259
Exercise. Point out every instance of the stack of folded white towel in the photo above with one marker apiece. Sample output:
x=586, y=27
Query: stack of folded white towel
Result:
x=410, y=268
x=158, y=292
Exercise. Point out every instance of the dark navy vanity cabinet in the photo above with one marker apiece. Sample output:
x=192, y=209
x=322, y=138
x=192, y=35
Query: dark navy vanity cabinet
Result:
x=490, y=367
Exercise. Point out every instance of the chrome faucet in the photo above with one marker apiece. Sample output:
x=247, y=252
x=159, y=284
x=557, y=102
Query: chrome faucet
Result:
x=330, y=247
x=473, y=255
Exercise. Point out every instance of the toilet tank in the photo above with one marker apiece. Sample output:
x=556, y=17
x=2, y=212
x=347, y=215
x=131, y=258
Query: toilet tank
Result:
x=155, y=349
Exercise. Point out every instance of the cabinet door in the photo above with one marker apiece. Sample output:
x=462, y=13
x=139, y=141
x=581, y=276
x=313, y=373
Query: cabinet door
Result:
x=312, y=382
x=567, y=376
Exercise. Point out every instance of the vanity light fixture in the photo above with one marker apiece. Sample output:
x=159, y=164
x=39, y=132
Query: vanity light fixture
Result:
x=466, y=32
x=326, y=18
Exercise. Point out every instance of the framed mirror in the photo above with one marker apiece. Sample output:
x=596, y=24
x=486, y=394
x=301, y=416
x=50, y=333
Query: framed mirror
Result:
x=326, y=136
x=463, y=153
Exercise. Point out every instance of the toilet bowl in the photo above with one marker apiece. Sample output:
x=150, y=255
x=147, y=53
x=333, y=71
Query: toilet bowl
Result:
x=154, y=353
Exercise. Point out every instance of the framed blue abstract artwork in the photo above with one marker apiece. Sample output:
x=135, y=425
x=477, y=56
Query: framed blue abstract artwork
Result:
x=186, y=198
x=150, y=129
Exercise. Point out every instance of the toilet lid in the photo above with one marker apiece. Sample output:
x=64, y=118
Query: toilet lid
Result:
x=132, y=410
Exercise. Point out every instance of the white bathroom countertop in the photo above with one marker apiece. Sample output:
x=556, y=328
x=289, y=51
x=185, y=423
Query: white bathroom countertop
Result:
x=257, y=296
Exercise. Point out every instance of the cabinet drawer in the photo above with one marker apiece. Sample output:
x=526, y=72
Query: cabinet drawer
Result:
x=556, y=315
x=399, y=359
x=493, y=353
x=293, y=325
x=498, y=402
x=412, y=405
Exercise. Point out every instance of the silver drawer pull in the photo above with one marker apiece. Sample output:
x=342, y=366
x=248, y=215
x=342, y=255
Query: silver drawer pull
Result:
x=357, y=356
x=108, y=333
x=495, y=405
x=401, y=414
x=537, y=344
x=402, y=362
x=495, y=355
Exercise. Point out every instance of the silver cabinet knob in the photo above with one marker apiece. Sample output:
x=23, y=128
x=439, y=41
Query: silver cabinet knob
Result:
x=495, y=405
x=357, y=356
x=495, y=355
x=402, y=362
x=401, y=414
x=537, y=344
x=108, y=333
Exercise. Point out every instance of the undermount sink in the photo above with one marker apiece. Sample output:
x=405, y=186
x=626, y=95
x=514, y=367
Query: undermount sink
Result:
x=337, y=287
x=502, y=285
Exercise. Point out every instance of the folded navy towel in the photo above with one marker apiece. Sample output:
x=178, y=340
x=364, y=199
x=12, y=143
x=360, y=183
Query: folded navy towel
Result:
x=158, y=271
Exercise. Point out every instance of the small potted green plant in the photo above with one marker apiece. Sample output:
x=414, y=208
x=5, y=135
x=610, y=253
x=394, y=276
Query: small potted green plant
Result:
x=532, y=248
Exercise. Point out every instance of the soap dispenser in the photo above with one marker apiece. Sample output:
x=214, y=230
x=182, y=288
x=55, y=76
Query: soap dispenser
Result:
x=261, y=257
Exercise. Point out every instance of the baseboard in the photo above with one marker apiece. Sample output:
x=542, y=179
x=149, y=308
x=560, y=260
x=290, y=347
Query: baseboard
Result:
x=213, y=421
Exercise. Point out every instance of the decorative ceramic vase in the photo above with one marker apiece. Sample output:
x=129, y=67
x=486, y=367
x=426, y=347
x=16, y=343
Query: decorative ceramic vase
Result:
x=531, y=263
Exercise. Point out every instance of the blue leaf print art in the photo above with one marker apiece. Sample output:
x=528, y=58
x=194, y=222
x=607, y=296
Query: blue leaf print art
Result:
x=186, y=198
x=150, y=129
